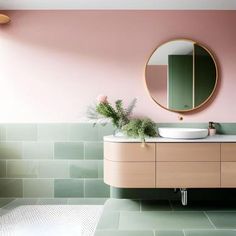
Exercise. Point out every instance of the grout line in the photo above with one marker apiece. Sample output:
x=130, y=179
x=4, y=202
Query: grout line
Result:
x=118, y=226
x=209, y=219
x=53, y=150
x=6, y=169
x=53, y=188
x=8, y=203
x=23, y=187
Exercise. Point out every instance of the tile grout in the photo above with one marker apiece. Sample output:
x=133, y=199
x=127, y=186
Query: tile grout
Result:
x=209, y=219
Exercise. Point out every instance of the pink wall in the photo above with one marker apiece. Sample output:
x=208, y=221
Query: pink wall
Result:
x=156, y=80
x=54, y=63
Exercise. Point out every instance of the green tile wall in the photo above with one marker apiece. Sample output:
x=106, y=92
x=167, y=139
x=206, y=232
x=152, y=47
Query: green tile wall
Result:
x=64, y=161
x=52, y=161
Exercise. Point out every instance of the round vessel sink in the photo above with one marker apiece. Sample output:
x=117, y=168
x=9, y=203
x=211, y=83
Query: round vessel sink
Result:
x=183, y=133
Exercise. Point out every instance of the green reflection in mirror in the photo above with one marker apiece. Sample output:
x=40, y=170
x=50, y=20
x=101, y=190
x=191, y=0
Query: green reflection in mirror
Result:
x=181, y=75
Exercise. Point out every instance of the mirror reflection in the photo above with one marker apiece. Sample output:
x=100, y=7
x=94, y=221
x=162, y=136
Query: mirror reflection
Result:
x=181, y=75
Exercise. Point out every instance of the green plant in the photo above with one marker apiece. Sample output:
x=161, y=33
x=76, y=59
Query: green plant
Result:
x=140, y=128
x=103, y=112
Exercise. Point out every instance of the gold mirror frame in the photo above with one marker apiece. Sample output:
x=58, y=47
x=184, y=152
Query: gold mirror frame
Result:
x=4, y=19
x=216, y=79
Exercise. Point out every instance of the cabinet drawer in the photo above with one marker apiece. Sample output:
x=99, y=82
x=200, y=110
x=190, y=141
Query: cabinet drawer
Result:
x=129, y=174
x=228, y=152
x=228, y=174
x=188, y=152
x=187, y=174
x=129, y=151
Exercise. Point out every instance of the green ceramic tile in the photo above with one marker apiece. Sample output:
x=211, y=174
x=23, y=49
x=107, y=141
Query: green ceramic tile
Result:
x=52, y=201
x=53, y=132
x=158, y=205
x=22, y=169
x=10, y=150
x=69, y=150
x=122, y=205
x=37, y=150
x=2, y=132
x=96, y=188
x=11, y=188
x=38, y=188
x=21, y=132
x=53, y=169
x=108, y=220
x=2, y=169
x=163, y=220
x=68, y=188
x=83, y=132
x=169, y=233
x=223, y=220
x=105, y=130
x=83, y=169
x=100, y=169
x=210, y=233
x=86, y=201
x=123, y=233
x=93, y=150
x=5, y=201
x=226, y=128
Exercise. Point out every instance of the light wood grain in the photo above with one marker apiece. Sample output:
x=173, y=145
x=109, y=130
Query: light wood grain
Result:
x=187, y=174
x=228, y=174
x=188, y=152
x=129, y=151
x=228, y=152
x=129, y=174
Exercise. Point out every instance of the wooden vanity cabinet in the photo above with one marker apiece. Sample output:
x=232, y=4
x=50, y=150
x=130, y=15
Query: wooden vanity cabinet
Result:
x=228, y=165
x=187, y=165
x=129, y=165
x=170, y=165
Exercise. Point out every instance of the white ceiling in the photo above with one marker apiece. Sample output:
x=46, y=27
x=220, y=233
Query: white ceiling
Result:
x=119, y=4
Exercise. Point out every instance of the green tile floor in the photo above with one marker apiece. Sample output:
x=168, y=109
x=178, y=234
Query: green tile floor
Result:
x=124, y=217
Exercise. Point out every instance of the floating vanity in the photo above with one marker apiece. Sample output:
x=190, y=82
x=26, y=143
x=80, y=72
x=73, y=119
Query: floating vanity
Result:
x=171, y=163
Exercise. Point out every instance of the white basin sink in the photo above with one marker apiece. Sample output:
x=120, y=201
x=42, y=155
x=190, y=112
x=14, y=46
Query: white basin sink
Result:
x=183, y=133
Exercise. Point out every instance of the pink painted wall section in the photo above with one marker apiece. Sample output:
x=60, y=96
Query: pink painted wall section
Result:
x=156, y=80
x=54, y=63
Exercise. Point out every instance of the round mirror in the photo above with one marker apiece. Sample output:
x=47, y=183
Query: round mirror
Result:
x=181, y=75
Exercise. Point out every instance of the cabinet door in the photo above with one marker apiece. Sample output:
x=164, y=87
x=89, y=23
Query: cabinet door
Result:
x=228, y=174
x=129, y=174
x=188, y=152
x=187, y=174
x=129, y=151
x=228, y=152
